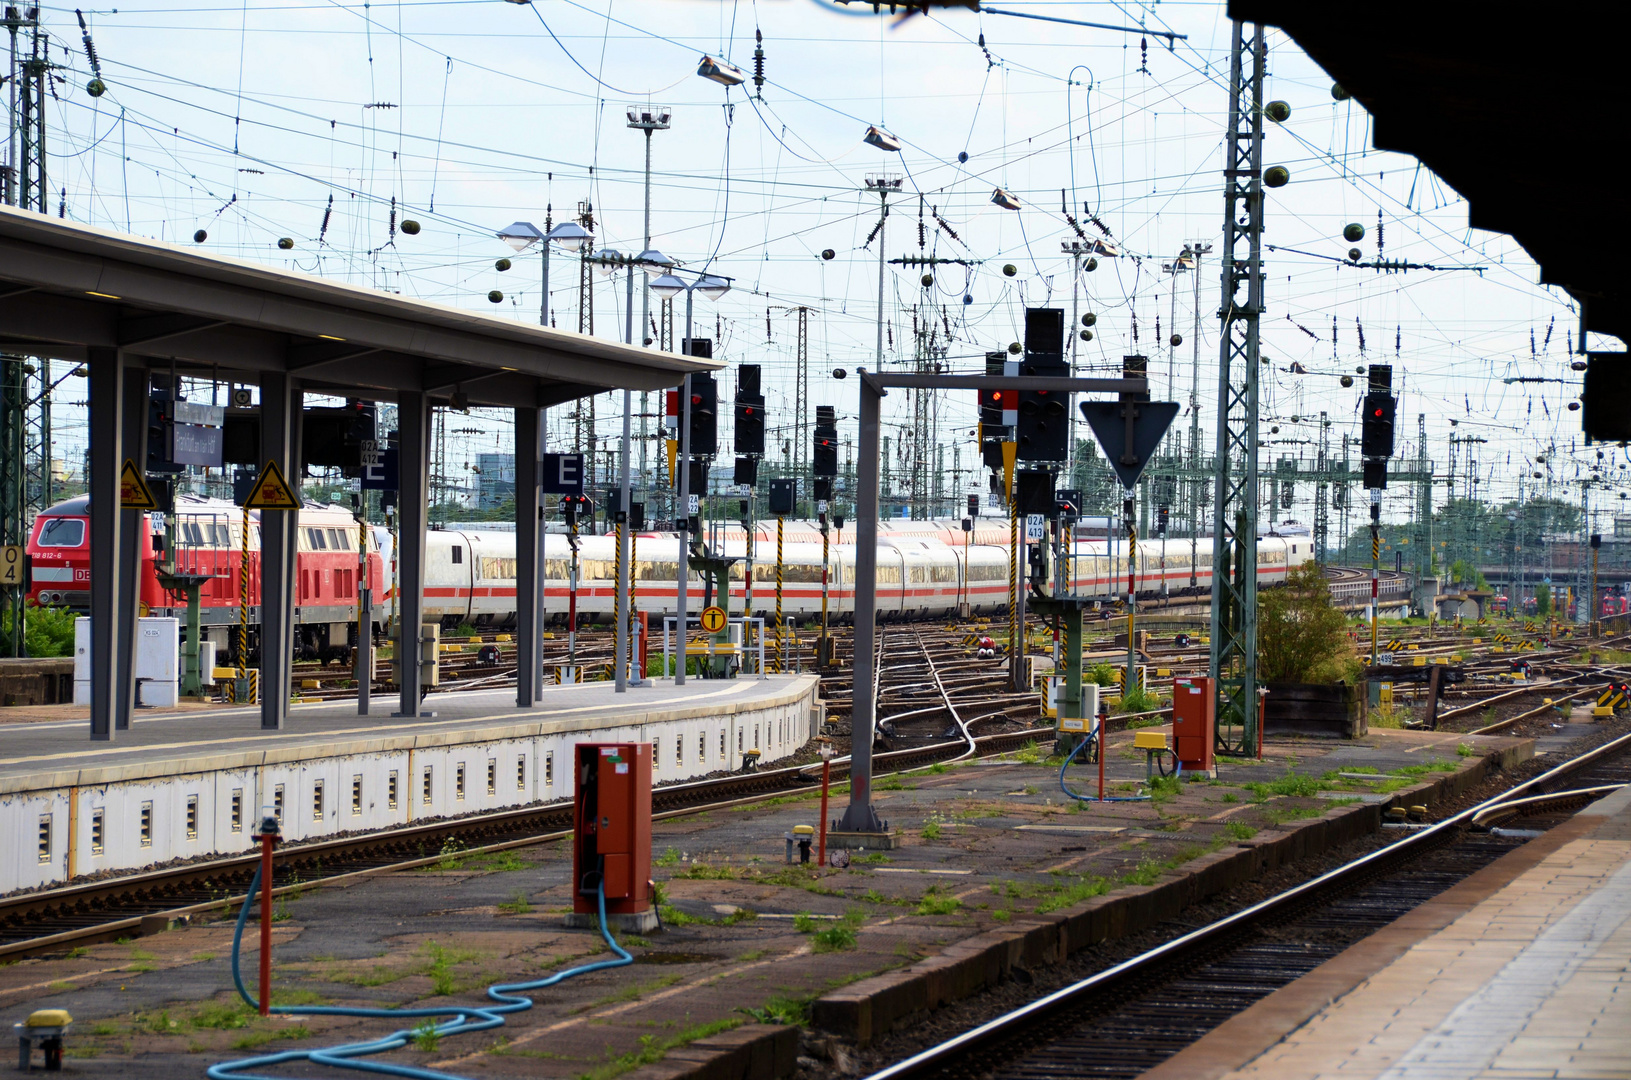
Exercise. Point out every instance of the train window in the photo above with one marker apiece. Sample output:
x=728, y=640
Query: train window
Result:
x=920, y=575
x=493, y=566
x=888, y=575
x=62, y=532
x=458, y=554
x=338, y=540
x=944, y=573
x=316, y=539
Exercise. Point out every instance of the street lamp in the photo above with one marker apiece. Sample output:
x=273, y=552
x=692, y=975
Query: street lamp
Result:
x=668, y=286
x=647, y=118
x=521, y=235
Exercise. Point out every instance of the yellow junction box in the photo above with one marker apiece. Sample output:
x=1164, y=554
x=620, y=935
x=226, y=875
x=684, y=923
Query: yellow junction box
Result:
x=1149, y=740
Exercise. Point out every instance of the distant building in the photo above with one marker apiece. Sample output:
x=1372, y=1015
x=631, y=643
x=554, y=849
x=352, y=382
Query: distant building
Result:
x=495, y=480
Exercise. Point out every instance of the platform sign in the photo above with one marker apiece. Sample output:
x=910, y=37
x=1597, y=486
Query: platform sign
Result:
x=272, y=491
x=713, y=619
x=134, y=494
x=380, y=471
x=1035, y=525
x=561, y=474
x=12, y=564
x=196, y=444
x=693, y=504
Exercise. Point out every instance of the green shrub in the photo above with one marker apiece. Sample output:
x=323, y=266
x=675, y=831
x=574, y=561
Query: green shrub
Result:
x=47, y=631
x=1302, y=637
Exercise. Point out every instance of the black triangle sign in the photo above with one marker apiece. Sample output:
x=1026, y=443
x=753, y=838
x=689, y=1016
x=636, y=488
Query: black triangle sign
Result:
x=1150, y=420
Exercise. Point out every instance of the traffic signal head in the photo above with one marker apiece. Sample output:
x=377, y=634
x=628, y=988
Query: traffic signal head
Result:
x=1376, y=425
x=704, y=415
x=824, y=460
x=749, y=434
x=1043, y=432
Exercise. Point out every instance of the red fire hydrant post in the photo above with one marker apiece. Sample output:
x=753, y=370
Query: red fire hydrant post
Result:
x=826, y=778
x=268, y=834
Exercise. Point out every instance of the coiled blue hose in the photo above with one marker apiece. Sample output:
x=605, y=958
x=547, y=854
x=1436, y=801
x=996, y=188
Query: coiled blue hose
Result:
x=460, y=1018
x=1093, y=798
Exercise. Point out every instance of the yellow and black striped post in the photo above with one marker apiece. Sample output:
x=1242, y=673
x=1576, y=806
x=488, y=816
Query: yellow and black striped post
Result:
x=781, y=521
x=1016, y=675
x=617, y=569
x=634, y=580
x=1375, y=592
x=244, y=687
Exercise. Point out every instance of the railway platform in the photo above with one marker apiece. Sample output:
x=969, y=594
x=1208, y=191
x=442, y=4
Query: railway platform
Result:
x=998, y=874
x=1520, y=972
x=194, y=783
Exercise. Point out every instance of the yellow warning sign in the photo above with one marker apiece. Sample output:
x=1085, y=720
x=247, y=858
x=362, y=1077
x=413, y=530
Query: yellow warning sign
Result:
x=134, y=493
x=271, y=491
x=713, y=619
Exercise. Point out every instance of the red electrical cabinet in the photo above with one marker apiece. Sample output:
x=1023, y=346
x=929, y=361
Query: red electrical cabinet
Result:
x=1194, y=723
x=613, y=827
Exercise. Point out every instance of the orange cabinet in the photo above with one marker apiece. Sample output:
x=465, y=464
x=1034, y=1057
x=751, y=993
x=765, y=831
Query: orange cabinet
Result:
x=1194, y=722
x=612, y=845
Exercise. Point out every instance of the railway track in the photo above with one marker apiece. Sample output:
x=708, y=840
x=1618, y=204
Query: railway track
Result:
x=1120, y=1022
x=54, y=919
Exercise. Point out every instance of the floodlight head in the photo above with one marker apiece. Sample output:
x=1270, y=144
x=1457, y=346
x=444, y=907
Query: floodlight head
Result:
x=1004, y=200
x=569, y=235
x=607, y=260
x=721, y=72
x=667, y=286
x=650, y=117
x=1104, y=247
x=877, y=136
x=521, y=235
x=712, y=287
x=654, y=262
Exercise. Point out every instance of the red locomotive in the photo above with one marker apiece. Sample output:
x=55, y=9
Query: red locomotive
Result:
x=208, y=537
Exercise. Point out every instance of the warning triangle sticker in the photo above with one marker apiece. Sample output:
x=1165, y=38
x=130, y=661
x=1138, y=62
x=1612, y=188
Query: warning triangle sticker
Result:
x=271, y=491
x=134, y=493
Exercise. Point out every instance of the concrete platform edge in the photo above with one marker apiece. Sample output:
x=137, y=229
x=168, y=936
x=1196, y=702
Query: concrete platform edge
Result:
x=481, y=730
x=874, y=1007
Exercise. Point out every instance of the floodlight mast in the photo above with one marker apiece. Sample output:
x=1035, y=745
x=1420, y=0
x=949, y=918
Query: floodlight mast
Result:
x=647, y=118
x=884, y=185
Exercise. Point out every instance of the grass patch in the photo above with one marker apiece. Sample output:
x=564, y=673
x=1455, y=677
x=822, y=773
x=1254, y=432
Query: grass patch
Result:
x=937, y=902
x=260, y=1038
x=498, y=862
x=1291, y=784
x=931, y=831
x=1464, y=750
x=518, y=904
x=425, y=1036
x=705, y=872
x=653, y=1049
x=669, y=857
x=1239, y=830
x=781, y=1010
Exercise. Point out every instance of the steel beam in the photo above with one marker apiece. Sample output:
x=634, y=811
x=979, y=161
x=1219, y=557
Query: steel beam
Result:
x=413, y=440
x=277, y=529
x=132, y=542
x=107, y=399
x=529, y=451
x=859, y=817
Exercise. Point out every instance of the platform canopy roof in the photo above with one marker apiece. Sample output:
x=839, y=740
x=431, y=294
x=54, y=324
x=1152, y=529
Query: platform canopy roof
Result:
x=66, y=289
x=1516, y=106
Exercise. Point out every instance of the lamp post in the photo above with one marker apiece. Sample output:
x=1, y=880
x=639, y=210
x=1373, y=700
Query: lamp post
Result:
x=668, y=286
x=647, y=118
x=521, y=235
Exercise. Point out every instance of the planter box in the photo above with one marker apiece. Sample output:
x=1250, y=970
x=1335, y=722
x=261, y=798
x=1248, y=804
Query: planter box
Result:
x=1333, y=710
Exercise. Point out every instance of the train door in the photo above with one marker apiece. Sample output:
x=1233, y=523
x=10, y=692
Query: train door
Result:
x=890, y=583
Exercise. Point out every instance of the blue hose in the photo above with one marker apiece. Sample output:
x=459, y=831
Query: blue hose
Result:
x=1091, y=798
x=460, y=1018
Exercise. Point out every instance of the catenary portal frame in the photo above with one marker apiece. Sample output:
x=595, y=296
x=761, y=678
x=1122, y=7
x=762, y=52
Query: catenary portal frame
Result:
x=122, y=305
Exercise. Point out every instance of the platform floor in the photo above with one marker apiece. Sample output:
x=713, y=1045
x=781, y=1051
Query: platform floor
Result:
x=330, y=727
x=1521, y=972
x=987, y=846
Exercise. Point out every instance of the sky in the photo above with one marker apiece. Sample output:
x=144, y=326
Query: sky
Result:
x=329, y=123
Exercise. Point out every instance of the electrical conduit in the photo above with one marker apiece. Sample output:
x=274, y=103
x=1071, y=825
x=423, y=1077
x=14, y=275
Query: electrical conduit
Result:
x=459, y=1018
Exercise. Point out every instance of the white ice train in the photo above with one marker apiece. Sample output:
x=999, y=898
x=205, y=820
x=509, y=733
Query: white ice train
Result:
x=925, y=569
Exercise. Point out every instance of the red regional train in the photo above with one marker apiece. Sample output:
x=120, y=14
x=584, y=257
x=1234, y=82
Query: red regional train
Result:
x=208, y=540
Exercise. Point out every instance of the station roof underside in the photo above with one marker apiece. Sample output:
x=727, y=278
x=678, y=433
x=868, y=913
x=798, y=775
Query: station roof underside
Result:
x=67, y=288
x=1517, y=107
